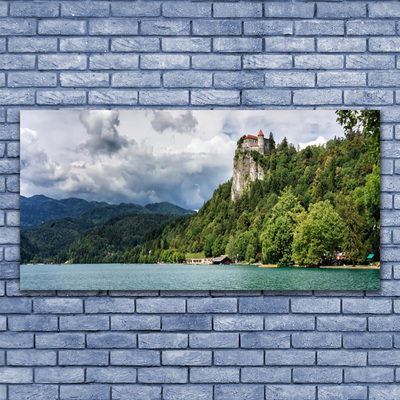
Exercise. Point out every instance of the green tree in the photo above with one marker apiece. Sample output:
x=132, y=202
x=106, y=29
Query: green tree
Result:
x=208, y=245
x=231, y=248
x=318, y=235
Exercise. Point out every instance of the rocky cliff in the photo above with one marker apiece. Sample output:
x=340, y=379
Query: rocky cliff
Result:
x=245, y=170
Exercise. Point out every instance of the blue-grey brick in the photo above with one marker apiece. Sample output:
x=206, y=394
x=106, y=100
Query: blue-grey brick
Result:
x=186, y=357
x=32, y=323
x=387, y=134
x=135, y=357
x=325, y=306
x=37, y=392
x=317, y=375
x=164, y=61
x=83, y=357
x=87, y=392
x=15, y=305
x=34, y=9
x=368, y=375
x=59, y=375
x=31, y=357
x=315, y=97
x=368, y=97
x=2, y=84
x=111, y=340
x=367, y=341
x=266, y=375
x=19, y=26
x=342, y=78
x=289, y=79
x=318, y=27
x=135, y=322
x=85, y=9
x=367, y=306
x=320, y=340
x=137, y=79
x=238, y=357
x=237, y=45
x=384, y=10
x=381, y=392
x=17, y=61
x=16, y=340
x=342, y=358
x=3, y=323
x=84, y=323
x=214, y=375
x=12, y=181
x=214, y=340
x=289, y=323
x=288, y=10
x=87, y=45
x=341, y=323
x=184, y=392
x=57, y=306
x=194, y=45
x=365, y=27
x=34, y=79
x=179, y=98
x=64, y=97
x=215, y=62
x=162, y=375
x=114, y=61
x=3, y=9
x=262, y=96
x=386, y=323
x=268, y=27
x=113, y=27
x=341, y=45
x=288, y=44
x=370, y=61
x=290, y=392
x=387, y=44
x=214, y=97
x=386, y=238
x=32, y=45
x=16, y=375
x=135, y=44
x=384, y=357
x=265, y=305
x=212, y=305
x=160, y=305
x=109, y=305
x=130, y=392
x=384, y=78
x=187, y=323
x=111, y=375
x=261, y=340
x=9, y=235
x=186, y=10
x=217, y=27
x=9, y=270
x=83, y=79
x=165, y=28
x=8, y=201
x=290, y=357
x=240, y=323
x=135, y=9
x=235, y=392
x=61, y=27
x=319, y=61
x=163, y=340
x=345, y=10
x=61, y=61
x=344, y=392
x=187, y=79
x=237, y=10
x=109, y=96
x=390, y=150
x=12, y=253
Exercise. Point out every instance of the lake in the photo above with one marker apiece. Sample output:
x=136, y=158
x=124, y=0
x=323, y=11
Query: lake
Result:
x=192, y=277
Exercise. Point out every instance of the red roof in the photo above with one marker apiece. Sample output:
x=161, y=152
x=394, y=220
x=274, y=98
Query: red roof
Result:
x=251, y=137
x=260, y=133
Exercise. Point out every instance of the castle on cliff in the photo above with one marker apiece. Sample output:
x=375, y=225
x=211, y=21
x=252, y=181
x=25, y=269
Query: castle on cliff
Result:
x=256, y=143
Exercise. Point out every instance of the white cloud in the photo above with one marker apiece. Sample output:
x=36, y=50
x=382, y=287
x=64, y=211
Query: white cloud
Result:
x=319, y=141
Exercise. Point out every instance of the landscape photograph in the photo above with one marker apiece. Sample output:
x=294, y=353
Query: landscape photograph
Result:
x=200, y=199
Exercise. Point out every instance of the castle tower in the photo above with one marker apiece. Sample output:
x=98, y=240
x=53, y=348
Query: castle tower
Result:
x=261, y=142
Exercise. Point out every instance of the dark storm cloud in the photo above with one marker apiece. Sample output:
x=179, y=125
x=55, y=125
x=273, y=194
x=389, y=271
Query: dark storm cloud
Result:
x=164, y=120
x=101, y=125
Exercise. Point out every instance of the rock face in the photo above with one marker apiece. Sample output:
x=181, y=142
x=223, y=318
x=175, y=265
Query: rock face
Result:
x=245, y=170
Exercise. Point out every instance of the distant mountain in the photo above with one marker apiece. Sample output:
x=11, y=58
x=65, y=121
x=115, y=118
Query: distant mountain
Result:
x=168, y=208
x=38, y=209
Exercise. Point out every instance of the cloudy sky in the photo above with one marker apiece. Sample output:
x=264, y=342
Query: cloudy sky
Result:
x=148, y=156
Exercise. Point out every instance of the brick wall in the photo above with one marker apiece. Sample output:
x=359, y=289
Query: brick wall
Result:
x=199, y=345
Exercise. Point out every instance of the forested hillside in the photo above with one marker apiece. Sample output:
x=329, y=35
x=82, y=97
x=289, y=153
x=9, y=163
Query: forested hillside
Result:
x=311, y=203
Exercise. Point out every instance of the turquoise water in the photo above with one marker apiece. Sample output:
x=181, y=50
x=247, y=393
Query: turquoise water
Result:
x=192, y=277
